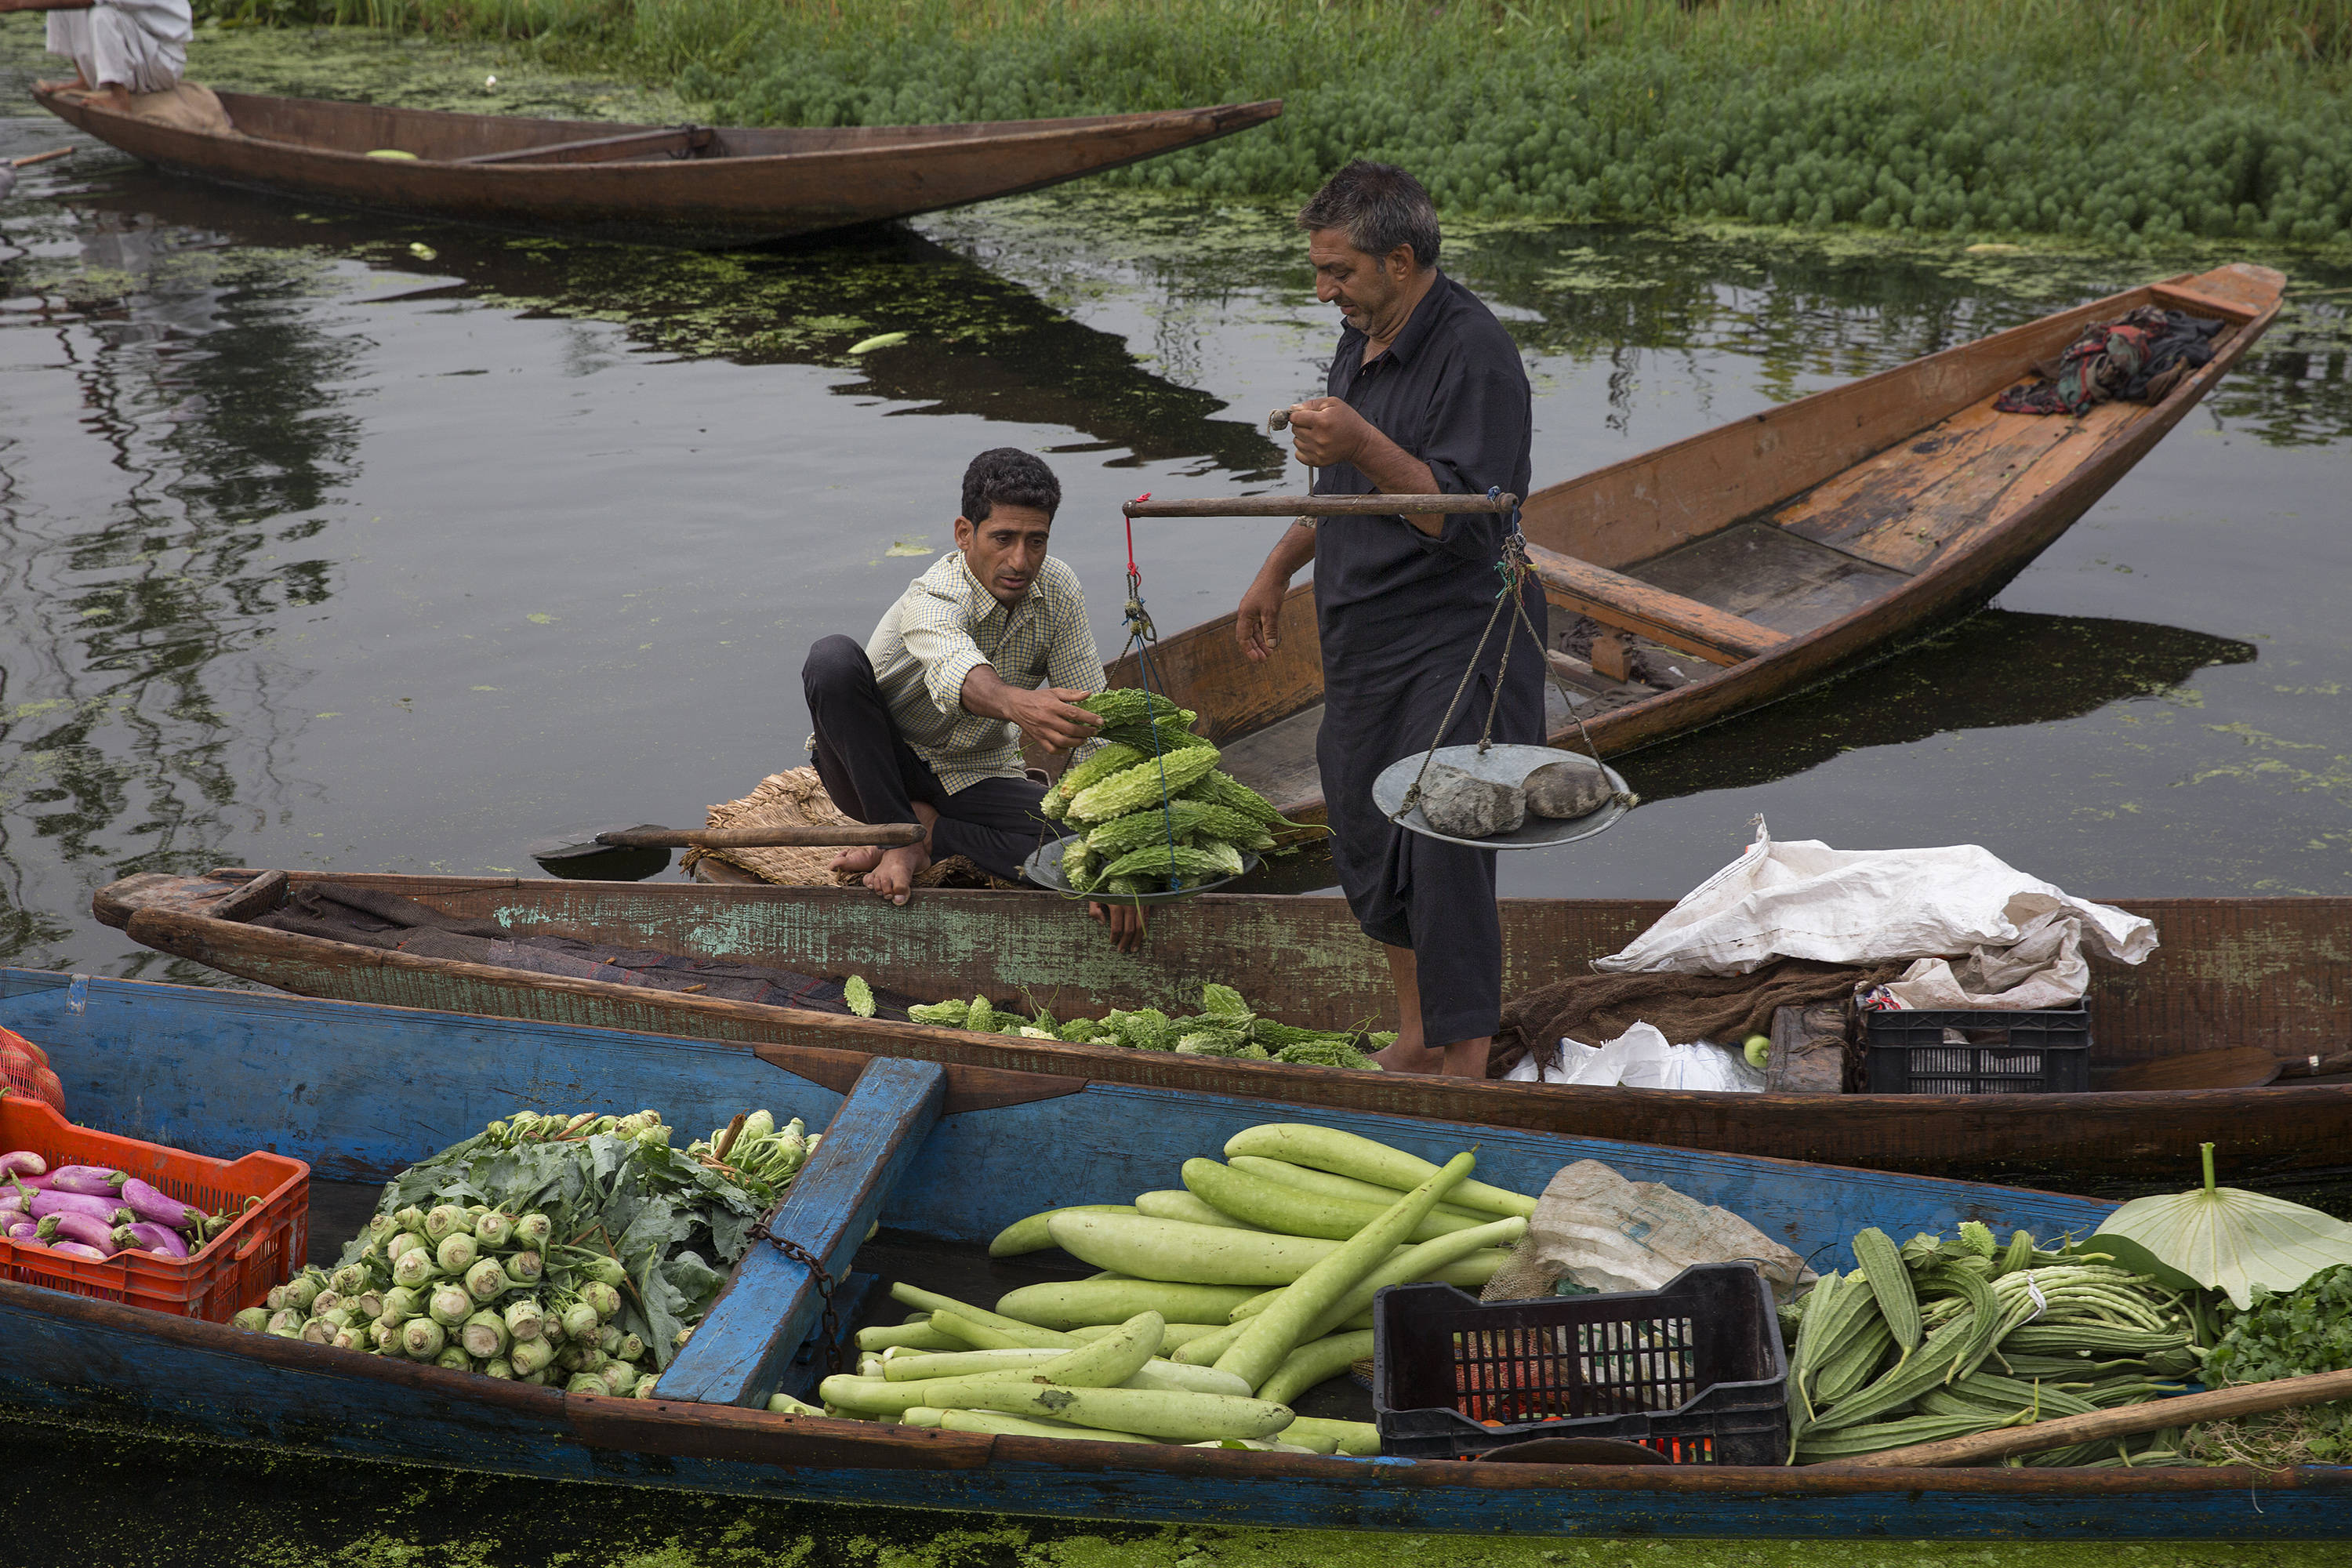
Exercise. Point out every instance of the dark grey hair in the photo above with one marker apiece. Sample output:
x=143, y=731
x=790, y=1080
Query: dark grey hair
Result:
x=1010, y=475
x=1379, y=206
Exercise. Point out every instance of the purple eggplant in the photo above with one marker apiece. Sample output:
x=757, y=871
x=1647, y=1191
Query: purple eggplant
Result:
x=161, y=1207
x=146, y=1236
x=109, y=1210
x=95, y=1180
x=22, y=1229
x=78, y=1250
x=16, y=1201
x=58, y=1227
x=23, y=1162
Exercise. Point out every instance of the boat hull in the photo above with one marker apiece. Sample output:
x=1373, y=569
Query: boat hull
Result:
x=2271, y=972
x=333, y=1084
x=1989, y=523
x=67, y=1359
x=318, y=150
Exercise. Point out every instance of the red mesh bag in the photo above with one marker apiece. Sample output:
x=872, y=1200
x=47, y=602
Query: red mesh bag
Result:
x=25, y=1070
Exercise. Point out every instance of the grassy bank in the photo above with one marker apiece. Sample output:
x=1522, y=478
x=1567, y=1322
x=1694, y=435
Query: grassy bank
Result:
x=2113, y=121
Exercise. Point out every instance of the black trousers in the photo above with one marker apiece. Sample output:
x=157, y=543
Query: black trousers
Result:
x=1384, y=702
x=874, y=776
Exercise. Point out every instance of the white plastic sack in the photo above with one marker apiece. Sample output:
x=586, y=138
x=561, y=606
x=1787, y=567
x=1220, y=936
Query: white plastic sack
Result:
x=1605, y=1233
x=1805, y=899
x=1641, y=1058
x=2043, y=968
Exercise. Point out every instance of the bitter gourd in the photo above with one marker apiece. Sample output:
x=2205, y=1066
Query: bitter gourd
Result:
x=1183, y=819
x=1163, y=864
x=1145, y=784
x=1097, y=766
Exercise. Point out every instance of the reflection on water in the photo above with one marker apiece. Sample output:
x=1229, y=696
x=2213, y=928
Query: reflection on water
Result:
x=1967, y=677
x=333, y=540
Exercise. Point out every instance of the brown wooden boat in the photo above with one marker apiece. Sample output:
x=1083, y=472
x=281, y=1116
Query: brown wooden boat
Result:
x=1746, y=562
x=675, y=184
x=2272, y=972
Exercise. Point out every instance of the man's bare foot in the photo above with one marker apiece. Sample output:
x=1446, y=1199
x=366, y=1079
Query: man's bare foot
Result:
x=861, y=860
x=1409, y=1056
x=113, y=96
x=894, y=874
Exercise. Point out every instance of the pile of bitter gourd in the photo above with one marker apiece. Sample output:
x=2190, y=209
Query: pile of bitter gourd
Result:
x=1150, y=807
x=1226, y=1027
x=1938, y=1339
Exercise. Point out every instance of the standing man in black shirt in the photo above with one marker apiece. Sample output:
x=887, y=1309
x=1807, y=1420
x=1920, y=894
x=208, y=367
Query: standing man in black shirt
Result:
x=1427, y=396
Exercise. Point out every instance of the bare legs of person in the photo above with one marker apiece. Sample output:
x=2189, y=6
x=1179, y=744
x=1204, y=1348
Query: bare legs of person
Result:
x=892, y=872
x=1454, y=1059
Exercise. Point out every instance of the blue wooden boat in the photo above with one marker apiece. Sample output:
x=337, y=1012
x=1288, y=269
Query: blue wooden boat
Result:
x=939, y=1152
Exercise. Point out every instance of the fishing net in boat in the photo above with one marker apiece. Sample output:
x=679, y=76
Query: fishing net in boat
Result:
x=25, y=1070
x=796, y=798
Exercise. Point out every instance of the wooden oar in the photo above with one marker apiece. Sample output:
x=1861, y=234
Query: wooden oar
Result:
x=1318, y=506
x=2154, y=1416
x=30, y=159
x=2240, y=1067
x=598, y=841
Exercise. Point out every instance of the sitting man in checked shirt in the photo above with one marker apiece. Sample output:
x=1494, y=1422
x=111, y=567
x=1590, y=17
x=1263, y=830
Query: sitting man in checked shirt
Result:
x=924, y=724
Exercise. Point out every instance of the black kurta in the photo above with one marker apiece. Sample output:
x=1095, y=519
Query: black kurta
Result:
x=1399, y=612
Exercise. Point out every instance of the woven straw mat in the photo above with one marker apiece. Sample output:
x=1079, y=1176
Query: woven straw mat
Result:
x=795, y=797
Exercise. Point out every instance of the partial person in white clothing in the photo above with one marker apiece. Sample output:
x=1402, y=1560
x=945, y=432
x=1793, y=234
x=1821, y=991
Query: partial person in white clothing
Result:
x=121, y=47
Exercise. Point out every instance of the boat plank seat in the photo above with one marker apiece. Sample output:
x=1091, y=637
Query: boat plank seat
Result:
x=1668, y=618
x=1770, y=577
x=672, y=141
x=739, y=1354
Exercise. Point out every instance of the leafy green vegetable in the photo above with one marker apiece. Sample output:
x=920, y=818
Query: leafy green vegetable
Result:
x=2226, y=1238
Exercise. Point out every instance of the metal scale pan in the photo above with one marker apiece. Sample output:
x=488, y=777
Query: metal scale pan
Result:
x=1044, y=867
x=1504, y=764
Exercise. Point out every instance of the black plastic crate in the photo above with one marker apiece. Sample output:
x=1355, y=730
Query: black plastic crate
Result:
x=1693, y=1369
x=2014, y=1052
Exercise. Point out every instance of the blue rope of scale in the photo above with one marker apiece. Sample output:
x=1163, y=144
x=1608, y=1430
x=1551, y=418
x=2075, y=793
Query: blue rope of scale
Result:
x=1140, y=637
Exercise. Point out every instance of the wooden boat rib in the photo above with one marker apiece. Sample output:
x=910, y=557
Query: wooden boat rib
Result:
x=1758, y=557
x=941, y=1156
x=2273, y=973
x=694, y=185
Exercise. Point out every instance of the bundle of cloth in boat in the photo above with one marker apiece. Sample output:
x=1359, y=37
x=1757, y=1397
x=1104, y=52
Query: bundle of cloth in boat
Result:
x=2137, y=360
x=371, y=917
x=1610, y=1012
x=1594, y=1231
x=1789, y=924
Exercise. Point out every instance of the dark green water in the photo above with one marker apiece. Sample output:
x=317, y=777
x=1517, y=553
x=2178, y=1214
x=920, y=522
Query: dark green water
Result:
x=337, y=542
x=327, y=541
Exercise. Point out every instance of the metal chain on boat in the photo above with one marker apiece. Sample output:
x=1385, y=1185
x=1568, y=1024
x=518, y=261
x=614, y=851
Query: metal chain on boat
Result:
x=829, y=1325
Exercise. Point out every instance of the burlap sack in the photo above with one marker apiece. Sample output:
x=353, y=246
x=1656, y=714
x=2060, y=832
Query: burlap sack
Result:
x=187, y=106
x=795, y=798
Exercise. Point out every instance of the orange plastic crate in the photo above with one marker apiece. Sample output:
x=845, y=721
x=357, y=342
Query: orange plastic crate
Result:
x=234, y=1269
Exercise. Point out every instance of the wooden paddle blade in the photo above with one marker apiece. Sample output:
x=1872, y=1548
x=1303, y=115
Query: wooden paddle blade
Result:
x=2240, y=1066
x=844, y=835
